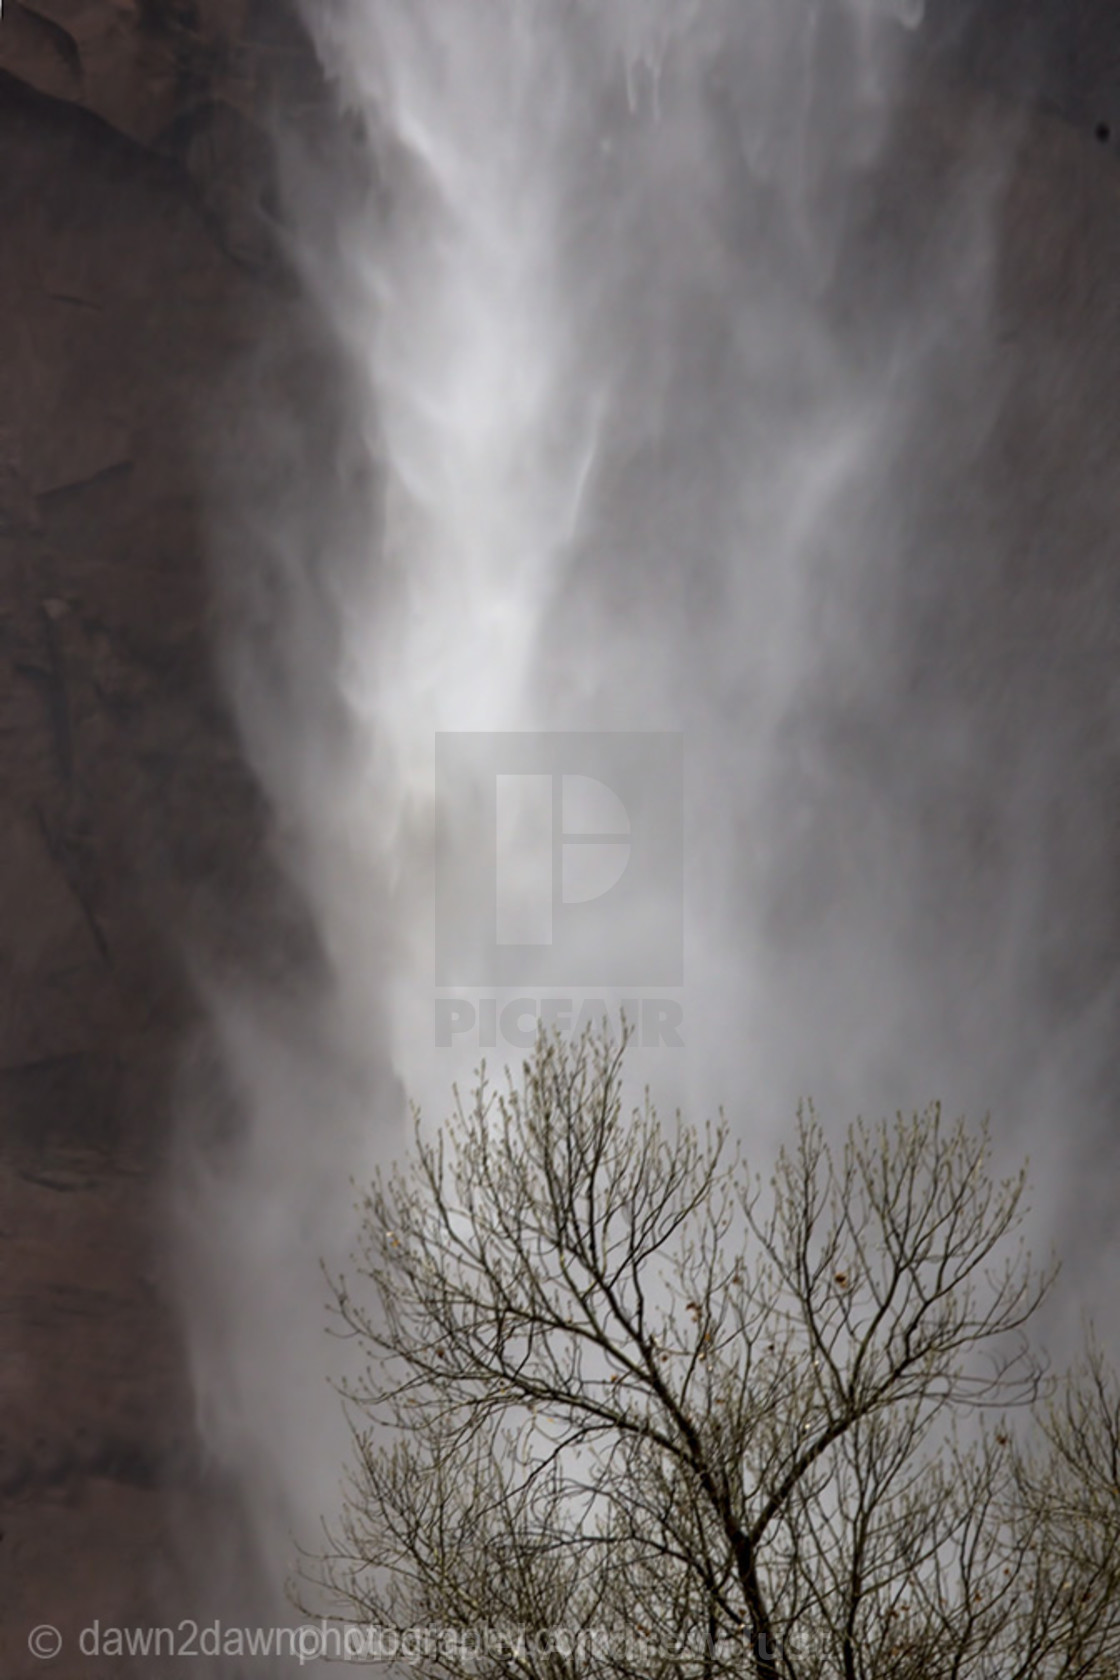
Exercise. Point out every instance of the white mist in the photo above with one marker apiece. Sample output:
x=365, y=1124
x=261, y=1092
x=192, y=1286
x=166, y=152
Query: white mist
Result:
x=643, y=375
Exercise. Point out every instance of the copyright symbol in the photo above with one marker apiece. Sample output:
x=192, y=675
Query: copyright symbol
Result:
x=44, y=1641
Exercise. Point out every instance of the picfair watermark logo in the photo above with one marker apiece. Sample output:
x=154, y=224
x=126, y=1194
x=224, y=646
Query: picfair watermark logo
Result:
x=559, y=860
x=490, y=1023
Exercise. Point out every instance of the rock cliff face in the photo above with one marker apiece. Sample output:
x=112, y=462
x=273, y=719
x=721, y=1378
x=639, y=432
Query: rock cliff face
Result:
x=137, y=267
x=190, y=80
x=141, y=65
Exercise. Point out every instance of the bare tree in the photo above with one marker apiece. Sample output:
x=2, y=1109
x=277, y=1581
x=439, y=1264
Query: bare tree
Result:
x=629, y=1410
x=1069, y=1488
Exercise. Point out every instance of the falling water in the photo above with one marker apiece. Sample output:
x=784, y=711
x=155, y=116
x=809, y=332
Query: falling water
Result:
x=672, y=374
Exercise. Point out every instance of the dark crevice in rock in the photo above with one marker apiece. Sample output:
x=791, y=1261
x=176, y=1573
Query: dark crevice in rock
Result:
x=32, y=1472
x=46, y=42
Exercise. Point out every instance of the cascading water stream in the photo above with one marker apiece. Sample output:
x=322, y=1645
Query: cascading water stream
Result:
x=646, y=377
x=609, y=434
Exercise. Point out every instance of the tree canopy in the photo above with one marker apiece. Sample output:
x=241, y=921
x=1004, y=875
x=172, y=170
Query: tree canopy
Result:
x=629, y=1408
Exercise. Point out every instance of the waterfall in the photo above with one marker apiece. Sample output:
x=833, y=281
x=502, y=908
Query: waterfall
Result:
x=616, y=659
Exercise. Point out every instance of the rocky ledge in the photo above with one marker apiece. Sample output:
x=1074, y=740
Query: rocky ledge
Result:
x=192, y=80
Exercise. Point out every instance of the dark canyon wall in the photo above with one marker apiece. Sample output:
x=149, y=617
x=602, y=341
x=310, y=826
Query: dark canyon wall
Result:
x=138, y=267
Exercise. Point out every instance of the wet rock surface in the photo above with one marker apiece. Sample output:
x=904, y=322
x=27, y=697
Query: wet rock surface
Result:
x=193, y=81
x=127, y=819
